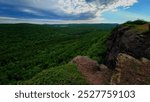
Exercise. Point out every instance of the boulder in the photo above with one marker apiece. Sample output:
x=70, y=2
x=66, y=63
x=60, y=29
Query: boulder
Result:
x=131, y=71
x=93, y=72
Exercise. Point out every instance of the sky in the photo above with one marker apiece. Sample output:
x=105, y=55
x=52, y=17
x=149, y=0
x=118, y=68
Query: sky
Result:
x=73, y=11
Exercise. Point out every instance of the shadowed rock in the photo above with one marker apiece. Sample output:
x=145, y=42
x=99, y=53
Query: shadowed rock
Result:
x=131, y=39
x=130, y=71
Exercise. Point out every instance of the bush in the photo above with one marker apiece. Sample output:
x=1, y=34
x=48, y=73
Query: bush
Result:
x=137, y=22
x=62, y=75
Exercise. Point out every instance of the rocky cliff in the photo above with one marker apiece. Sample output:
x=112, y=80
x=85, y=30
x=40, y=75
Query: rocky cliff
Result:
x=131, y=38
x=127, y=59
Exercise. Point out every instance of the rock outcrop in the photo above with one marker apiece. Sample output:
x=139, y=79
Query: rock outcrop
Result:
x=132, y=39
x=127, y=57
x=131, y=71
x=128, y=71
x=93, y=72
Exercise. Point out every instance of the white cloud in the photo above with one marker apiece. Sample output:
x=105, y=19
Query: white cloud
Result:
x=71, y=9
x=31, y=11
x=83, y=6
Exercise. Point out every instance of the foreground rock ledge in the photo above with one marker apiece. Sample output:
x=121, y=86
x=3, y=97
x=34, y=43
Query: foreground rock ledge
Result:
x=131, y=71
x=93, y=72
x=128, y=71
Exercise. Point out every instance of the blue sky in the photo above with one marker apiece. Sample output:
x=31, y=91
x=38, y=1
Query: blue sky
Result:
x=139, y=10
x=73, y=11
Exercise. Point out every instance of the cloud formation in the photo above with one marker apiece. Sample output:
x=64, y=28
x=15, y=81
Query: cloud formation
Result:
x=91, y=8
x=61, y=9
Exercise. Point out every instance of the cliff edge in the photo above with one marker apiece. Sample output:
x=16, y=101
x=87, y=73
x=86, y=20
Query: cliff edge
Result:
x=132, y=38
x=127, y=58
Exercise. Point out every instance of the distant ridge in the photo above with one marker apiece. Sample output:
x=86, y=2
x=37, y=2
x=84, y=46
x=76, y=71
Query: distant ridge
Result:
x=98, y=26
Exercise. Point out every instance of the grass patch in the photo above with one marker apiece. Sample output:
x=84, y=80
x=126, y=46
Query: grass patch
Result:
x=61, y=75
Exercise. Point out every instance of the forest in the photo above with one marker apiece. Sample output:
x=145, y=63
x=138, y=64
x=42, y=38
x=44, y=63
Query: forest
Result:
x=28, y=51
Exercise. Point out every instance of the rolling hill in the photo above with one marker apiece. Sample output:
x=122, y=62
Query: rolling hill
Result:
x=29, y=51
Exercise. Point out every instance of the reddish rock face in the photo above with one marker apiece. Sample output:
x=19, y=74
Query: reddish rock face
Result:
x=93, y=72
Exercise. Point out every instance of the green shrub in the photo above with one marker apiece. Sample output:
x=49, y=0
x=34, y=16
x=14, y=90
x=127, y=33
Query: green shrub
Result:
x=62, y=75
x=137, y=22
